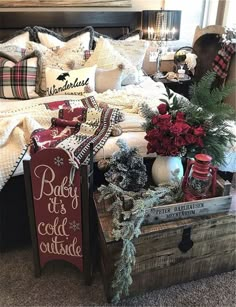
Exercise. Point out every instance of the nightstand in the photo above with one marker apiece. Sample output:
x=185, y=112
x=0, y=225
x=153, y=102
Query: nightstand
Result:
x=180, y=87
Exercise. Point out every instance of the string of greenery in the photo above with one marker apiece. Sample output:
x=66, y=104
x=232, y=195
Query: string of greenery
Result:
x=127, y=224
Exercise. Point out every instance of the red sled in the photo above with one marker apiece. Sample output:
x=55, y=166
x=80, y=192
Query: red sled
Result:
x=59, y=200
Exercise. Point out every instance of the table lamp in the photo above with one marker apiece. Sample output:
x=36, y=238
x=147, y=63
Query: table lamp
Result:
x=161, y=26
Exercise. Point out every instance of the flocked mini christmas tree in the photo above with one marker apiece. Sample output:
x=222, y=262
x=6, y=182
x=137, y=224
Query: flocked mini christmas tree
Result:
x=127, y=169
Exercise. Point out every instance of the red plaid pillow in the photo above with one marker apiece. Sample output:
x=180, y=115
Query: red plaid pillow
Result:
x=18, y=79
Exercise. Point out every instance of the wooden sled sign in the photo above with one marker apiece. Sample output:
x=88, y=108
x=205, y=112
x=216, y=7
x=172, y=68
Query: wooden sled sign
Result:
x=55, y=211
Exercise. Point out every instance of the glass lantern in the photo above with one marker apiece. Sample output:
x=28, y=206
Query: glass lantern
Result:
x=200, y=178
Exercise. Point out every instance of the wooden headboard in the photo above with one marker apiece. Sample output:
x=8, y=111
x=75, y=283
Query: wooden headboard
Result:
x=113, y=24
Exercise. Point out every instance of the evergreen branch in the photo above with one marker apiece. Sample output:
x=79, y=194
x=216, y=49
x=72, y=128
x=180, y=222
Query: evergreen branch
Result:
x=199, y=91
x=130, y=227
x=218, y=94
x=147, y=112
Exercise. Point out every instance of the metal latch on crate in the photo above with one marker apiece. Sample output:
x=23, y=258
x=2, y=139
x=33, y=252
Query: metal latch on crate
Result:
x=186, y=243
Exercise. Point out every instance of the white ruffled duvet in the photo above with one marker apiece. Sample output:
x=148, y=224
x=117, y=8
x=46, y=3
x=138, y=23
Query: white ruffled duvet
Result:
x=19, y=118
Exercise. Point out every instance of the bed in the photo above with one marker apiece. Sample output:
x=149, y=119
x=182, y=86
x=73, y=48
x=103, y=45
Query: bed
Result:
x=14, y=227
x=127, y=97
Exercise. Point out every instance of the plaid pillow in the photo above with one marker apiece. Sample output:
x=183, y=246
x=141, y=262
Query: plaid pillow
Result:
x=19, y=79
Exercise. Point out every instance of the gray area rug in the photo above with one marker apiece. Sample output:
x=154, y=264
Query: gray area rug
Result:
x=62, y=285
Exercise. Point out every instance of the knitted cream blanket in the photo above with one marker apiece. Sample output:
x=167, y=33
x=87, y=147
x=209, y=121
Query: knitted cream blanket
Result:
x=17, y=121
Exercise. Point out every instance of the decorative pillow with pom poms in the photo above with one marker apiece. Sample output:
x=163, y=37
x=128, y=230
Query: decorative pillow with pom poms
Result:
x=108, y=79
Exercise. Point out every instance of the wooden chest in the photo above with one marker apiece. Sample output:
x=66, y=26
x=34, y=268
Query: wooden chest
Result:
x=170, y=253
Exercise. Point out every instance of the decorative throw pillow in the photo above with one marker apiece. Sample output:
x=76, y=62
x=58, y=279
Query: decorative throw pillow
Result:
x=106, y=57
x=108, y=79
x=19, y=38
x=132, y=36
x=19, y=79
x=73, y=82
x=14, y=51
x=64, y=58
x=96, y=35
x=52, y=39
x=133, y=51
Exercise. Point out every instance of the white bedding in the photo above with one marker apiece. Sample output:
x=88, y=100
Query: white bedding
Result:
x=22, y=117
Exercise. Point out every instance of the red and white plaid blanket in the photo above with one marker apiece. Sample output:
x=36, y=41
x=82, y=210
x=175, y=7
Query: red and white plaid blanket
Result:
x=18, y=121
x=75, y=129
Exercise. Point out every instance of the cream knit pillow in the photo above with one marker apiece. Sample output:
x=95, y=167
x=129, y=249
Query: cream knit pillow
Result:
x=108, y=79
x=134, y=51
x=105, y=56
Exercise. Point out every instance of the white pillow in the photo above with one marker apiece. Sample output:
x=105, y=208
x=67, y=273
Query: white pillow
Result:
x=135, y=37
x=52, y=39
x=72, y=55
x=62, y=58
x=13, y=51
x=105, y=56
x=132, y=36
x=108, y=79
x=132, y=50
x=19, y=38
x=73, y=82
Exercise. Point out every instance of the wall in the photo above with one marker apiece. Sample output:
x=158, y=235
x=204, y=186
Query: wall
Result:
x=192, y=15
x=212, y=12
x=229, y=18
x=137, y=5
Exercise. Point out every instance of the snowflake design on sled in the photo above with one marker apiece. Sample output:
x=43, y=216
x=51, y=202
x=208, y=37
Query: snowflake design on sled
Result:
x=58, y=161
x=75, y=226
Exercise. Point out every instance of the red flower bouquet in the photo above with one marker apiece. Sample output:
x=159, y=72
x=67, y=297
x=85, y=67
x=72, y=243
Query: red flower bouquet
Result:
x=171, y=134
x=182, y=127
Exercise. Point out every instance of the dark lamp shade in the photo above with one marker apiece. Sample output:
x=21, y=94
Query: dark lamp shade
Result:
x=161, y=25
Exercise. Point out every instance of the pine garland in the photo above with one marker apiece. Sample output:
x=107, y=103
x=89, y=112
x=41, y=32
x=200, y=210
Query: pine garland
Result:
x=127, y=224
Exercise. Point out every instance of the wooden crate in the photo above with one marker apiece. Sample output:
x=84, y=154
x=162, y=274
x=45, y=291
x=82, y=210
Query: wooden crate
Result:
x=164, y=253
x=219, y=204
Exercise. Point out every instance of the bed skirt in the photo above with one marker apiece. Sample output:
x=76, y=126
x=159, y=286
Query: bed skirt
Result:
x=14, y=223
